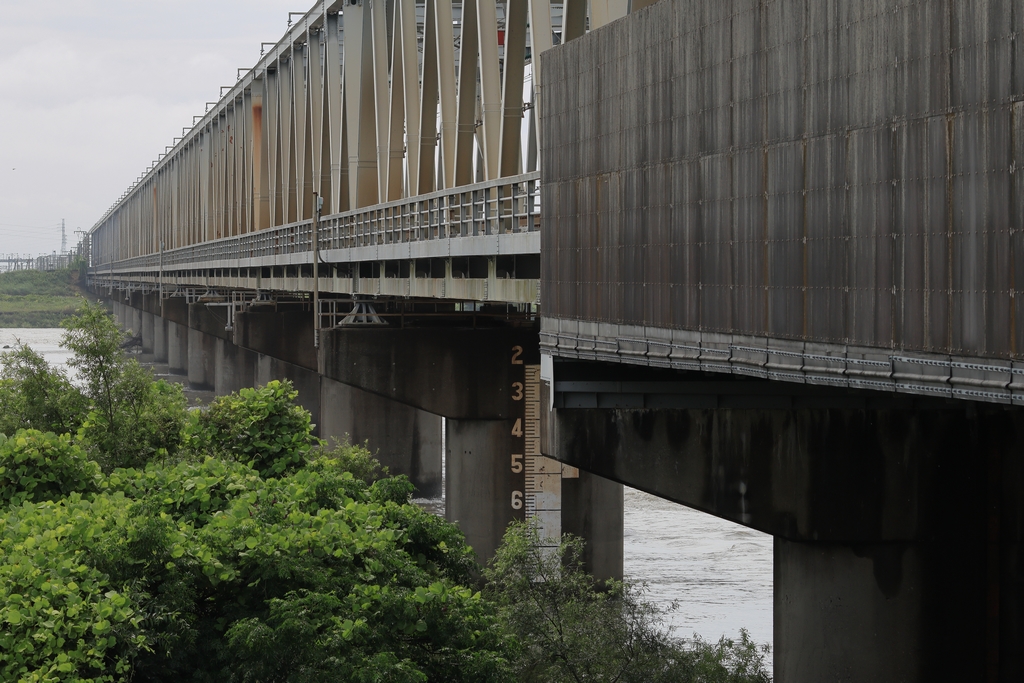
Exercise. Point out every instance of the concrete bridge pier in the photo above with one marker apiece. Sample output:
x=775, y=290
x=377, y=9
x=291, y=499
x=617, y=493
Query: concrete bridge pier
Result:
x=478, y=380
x=133, y=319
x=234, y=367
x=305, y=381
x=177, y=348
x=202, y=359
x=479, y=488
x=119, y=313
x=404, y=439
x=159, y=339
x=148, y=329
x=897, y=524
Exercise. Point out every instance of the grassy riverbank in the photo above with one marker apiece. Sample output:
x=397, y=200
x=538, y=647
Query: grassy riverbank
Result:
x=33, y=298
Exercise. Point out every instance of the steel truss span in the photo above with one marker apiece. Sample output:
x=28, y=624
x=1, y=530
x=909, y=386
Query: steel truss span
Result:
x=410, y=120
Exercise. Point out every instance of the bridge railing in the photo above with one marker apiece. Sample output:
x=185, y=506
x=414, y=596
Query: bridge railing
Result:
x=506, y=205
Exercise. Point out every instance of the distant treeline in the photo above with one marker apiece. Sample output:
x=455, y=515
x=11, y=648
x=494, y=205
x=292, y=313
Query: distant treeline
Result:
x=36, y=298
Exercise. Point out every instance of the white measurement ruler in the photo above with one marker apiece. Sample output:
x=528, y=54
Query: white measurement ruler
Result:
x=543, y=487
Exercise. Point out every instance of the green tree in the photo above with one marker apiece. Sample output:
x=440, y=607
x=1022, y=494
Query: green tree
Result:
x=34, y=395
x=132, y=418
x=570, y=629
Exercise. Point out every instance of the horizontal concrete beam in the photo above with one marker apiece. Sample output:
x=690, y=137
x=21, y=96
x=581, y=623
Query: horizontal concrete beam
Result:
x=457, y=373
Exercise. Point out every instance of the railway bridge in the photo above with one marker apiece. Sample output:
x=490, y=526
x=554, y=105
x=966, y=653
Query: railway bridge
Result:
x=758, y=257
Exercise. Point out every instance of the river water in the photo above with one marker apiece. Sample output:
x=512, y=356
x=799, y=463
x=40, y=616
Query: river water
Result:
x=718, y=573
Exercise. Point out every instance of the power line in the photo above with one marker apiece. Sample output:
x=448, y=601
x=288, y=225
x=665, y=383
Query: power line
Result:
x=38, y=227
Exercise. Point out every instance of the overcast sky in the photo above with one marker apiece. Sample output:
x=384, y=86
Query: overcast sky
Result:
x=91, y=92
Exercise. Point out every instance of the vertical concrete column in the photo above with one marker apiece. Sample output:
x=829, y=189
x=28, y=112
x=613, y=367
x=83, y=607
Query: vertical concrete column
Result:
x=118, y=313
x=177, y=348
x=406, y=440
x=860, y=612
x=202, y=358
x=234, y=368
x=592, y=508
x=159, y=339
x=148, y=329
x=480, y=486
x=134, y=317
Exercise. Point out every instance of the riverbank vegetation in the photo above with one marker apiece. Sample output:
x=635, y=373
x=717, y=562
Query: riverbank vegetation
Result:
x=140, y=540
x=35, y=298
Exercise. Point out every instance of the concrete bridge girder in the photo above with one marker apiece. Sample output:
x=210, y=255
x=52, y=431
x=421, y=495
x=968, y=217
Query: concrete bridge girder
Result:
x=897, y=531
x=458, y=373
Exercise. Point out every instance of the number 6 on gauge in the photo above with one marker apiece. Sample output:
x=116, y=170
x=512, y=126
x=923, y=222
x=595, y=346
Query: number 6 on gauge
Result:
x=517, y=500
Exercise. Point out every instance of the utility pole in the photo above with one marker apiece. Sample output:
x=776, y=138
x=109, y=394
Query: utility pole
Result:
x=318, y=204
x=63, y=238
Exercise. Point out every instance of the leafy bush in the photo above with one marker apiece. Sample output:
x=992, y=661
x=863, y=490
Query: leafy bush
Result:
x=260, y=426
x=569, y=629
x=190, y=491
x=34, y=395
x=236, y=571
x=132, y=419
x=354, y=459
x=63, y=620
x=35, y=467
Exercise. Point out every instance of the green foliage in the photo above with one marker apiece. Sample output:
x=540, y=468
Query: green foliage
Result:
x=354, y=459
x=36, y=467
x=62, y=619
x=394, y=489
x=38, y=282
x=237, y=571
x=32, y=298
x=133, y=419
x=570, y=629
x=34, y=395
x=261, y=426
x=190, y=492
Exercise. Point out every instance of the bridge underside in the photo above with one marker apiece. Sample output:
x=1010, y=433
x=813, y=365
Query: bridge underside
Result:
x=898, y=520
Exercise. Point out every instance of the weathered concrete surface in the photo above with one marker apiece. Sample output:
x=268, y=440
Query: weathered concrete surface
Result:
x=458, y=373
x=898, y=552
x=285, y=335
x=406, y=440
x=160, y=350
x=592, y=508
x=202, y=360
x=234, y=368
x=177, y=348
x=210, y=320
x=148, y=332
x=133, y=317
x=478, y=483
